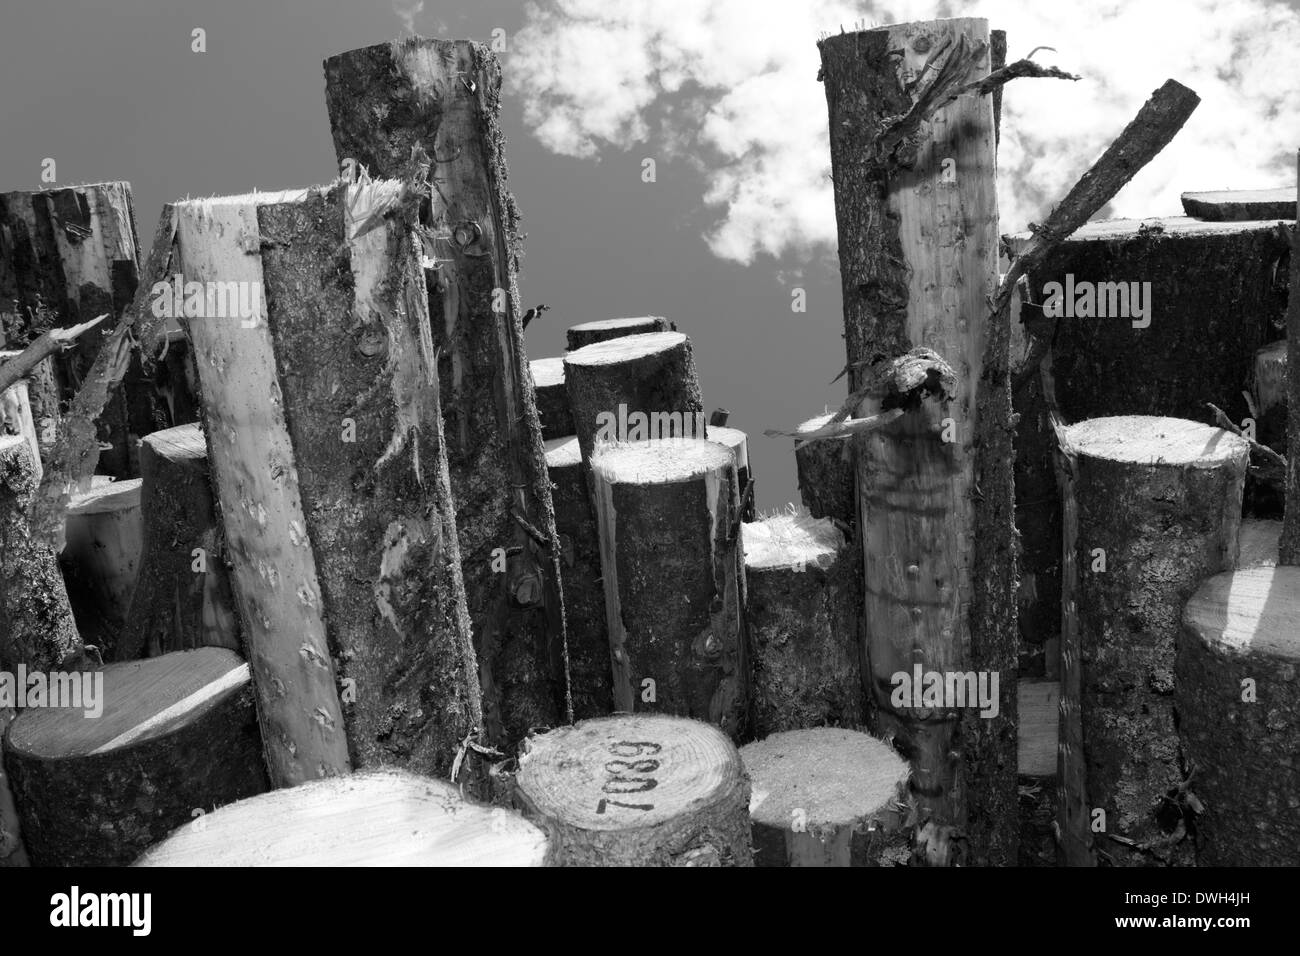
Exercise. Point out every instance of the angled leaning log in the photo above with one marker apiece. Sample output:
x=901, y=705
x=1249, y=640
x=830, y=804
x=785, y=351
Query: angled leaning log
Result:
x=174, y=736
x=589, y=333
x=443, y=97
x=326, y=455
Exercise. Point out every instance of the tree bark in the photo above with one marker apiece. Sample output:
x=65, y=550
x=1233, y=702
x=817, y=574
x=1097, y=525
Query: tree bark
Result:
x=1238, y=705
x=17, y=418
x=443, y=97
x=552, y=397
x=829, y=798
x=1289, y=549
x=1241, y=205
x=182, y=599
x=42, y=398
x=101, y=561
x=673, y=573
x=826, y=479
x=178, y=735
x=1159, y=504
x=12, y=851
x=326, y=452
x=589, y=333
x=738, y=442
x=638, y=790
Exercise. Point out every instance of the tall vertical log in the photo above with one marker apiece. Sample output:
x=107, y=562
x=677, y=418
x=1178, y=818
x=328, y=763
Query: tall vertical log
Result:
x=101, y=560
x=1289, y=549
x=325, y=448
x=443, y=97
x=917, y=222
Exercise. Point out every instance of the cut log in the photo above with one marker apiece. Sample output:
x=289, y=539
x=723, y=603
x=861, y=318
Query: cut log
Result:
x=176, y=380
x=673, y=575
x=326, y=454
x=375, y=818
x=825, y=470
x=1269, y=388
x=37, y=627
x=12, y=851
x=802, y=607
x=1257, y=543
x=827, y=797
x=174, y=736
x=182, y=598
x=1289, y=547
x=916, y=212
x=590, y=673
x=41, y=391
x=101, y=560
x=16, y=418
x=634, y=388
x=1238, y=704
x=1039, y=709
x=738, y=442
x=589, y=333
x=1242, y=205
x=638, y=790
x=1159, y=506
x=552, y=397
x=443, y=97
x=71, y=254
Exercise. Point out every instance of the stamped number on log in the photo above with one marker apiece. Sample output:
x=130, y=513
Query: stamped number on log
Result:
x=629, y=773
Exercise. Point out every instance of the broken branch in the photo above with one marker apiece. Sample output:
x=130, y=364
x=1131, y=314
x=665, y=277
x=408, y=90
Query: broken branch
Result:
x=51, y=343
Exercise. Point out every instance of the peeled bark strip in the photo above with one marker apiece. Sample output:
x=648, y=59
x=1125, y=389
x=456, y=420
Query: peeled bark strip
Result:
x=326, y=454
x=590, y=673
x=36, y=623
x=637, y=386
x=1161, y=499
x=183, y=597
x=12, y=851
x=589, y=333
x=178, y=735
x=673, y=577
x=1237, y=693
x=738, y=442
x=374, y=818
x=827, y=797
x=802, y=607
x=917, y=225
x=638, y=790
x=825, y=470
x=443, y=97
x=101, y=560
x=1241, y=205
x=552, y=397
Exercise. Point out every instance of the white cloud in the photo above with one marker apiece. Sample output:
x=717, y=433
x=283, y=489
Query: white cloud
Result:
x=731, y=85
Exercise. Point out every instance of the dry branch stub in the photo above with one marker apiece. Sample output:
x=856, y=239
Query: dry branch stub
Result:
x=827, y=797
x=101, y=559
x=825, y=470
x=326, y=454
x=37, y=627
x=182, y=597
x=589, y=333
x=1241, y=205
x=1159, y=508
x=372, y=818
x=178, y=735
x=801, y=611
x=552, y=397
x=638, y=790
x=634, y=388
x=387, y=103
x=590, y=673
x=673, y=572
x=1237, y=692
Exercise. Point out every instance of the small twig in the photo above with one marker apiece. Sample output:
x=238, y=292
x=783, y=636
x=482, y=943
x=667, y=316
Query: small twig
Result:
x=543, y=542
x=1224, y=422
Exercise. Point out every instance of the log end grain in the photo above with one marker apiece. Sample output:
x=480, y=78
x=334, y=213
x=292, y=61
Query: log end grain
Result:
x=1155, y=440
x=588, y=333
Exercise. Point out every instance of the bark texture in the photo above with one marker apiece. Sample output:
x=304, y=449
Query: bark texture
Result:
x=1241, y=205
x=589, y=333
x=1289, y=549
x=825, y=470
x=101, y=561
x=552, y=397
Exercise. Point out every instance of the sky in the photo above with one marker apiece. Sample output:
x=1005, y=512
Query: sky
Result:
x=722, y=94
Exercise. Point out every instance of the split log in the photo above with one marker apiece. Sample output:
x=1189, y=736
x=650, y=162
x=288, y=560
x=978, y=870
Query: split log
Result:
x=668, y=518
x=1238, y=701
x=638, y=790
x=174, y=735
x=917, y=222
x=375, y=818
x=1268, y=383
x=801, y=611
x=738, y=442
x=443, y=97
x=1159, y=508
x=590, y=673
x=101, y=560
x=1241, y=205
x=36, y=623
x=589, y=333
x=552, y=397
x=12, y=851
x=634, y=388
x=42, y=394
x=826, y=479
x=1257, y=543
x=827, y=797
x=16, y=418
x=183, y=597
x=326, y=453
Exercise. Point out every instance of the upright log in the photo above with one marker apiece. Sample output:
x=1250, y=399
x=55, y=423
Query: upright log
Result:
x=552, y=397
x=1241, y=205
x=916, y=211
x=668, y=517
x=738, y=442
x=101, y=560
x=1289, y=549
x=589, y=333
x=1159, y=508
x=182, y=599
x=826, y=480
x=443, y=96
x=326, y=453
